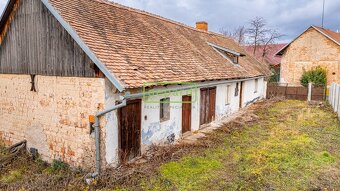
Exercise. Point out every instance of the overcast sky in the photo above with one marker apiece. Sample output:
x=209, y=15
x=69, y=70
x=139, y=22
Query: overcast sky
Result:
x=290, y=17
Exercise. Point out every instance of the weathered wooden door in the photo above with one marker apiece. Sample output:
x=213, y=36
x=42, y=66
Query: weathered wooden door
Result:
x=130, y=130
x=241, y=95
x=186, y=114
x=208, y=104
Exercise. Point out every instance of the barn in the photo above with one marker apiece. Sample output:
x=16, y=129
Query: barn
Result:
x=94, y=83
x=316, y=46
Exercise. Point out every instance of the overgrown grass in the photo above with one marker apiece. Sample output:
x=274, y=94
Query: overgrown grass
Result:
x=292, y=146
x=2, y=149
x=289, y=148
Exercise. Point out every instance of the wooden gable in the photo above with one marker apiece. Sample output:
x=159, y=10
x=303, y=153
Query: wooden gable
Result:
x=34, y=42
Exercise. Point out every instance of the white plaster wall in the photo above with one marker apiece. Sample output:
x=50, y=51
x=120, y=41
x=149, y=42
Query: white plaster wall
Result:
x=222, y=108
x=249, y=94
x=111, y=127
x=195, y=112
x=153, y=130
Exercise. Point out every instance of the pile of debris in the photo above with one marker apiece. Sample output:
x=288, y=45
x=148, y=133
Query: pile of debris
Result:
x=12, y=152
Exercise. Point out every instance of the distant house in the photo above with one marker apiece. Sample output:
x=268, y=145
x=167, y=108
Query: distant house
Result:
x=316, y=46
x=93, y=82
x=267, y=55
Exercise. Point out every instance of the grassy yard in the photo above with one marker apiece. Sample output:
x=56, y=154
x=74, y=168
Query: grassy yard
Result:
x=291, y=146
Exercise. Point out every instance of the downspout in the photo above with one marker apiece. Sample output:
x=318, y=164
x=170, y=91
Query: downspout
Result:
x=96, y=127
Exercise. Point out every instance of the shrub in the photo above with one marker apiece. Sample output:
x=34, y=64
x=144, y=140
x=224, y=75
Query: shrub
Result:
x=317, y=76
x=275, y=77
x=56, y=166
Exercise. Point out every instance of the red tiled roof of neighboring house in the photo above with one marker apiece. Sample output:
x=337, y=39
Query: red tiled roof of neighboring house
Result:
x=138, y=47
x=334, y=36
x=270, y=56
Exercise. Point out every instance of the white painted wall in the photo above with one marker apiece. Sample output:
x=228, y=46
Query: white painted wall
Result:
x=153, y=130
x=249, y=94
x=222, y=108
x=156, y=132
x=111, y=127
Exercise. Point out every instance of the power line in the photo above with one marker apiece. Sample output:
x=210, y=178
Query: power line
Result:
x=323, y=13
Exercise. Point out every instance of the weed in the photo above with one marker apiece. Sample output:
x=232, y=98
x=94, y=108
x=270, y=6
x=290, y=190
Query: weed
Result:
x=56, y=167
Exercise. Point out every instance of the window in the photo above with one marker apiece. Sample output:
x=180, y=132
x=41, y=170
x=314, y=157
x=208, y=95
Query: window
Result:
x=256, y=85
x=227, y=98
x=228, y=54
x=236, y=89
x=165, y=109
x=233, y=58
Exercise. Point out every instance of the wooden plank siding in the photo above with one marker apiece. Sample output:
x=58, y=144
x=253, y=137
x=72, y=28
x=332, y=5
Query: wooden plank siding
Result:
x=129, y=123
x=186, y=113
x=36, y=43
x=295, y=92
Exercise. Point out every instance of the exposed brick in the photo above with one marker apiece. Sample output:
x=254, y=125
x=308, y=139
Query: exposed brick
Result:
x=54, y=119
x=311, y=49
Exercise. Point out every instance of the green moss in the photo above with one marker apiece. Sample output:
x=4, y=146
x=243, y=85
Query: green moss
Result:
x=191, y=172
x=12, y=176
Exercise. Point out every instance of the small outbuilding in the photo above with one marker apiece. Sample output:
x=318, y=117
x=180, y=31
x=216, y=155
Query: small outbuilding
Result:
x=316, y=46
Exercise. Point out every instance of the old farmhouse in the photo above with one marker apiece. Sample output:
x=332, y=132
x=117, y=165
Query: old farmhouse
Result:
x=93, y=82
x=314, y=47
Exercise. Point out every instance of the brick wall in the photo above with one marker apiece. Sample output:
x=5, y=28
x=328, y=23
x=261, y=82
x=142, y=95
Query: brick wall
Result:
x=311, y=49
x=55, y=118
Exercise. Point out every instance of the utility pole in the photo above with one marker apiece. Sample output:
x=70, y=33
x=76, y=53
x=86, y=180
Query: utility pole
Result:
x=323, y=13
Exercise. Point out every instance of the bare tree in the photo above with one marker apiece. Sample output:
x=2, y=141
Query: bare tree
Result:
x=271, y=38
x=238, y=34
x=257, y=32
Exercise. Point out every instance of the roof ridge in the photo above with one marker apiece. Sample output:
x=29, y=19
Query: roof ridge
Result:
x=324, y=32
x=139, y=11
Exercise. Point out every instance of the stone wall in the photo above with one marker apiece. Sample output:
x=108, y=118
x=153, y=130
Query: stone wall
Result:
x=311, y=49
x=54, y=119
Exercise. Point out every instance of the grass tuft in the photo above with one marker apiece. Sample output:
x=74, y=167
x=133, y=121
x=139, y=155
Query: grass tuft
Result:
x=12, y=176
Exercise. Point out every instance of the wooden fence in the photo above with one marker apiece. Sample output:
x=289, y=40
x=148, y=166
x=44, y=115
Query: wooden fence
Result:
x=334, y=97
x=295, y=92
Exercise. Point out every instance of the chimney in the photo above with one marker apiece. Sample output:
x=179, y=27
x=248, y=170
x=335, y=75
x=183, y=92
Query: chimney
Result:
x=202, y=25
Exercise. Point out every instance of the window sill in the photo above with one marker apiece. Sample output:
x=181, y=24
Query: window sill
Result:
x=164, y=120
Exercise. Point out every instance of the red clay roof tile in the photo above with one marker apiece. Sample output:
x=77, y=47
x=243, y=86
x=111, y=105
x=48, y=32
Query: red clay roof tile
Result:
x=139, y=47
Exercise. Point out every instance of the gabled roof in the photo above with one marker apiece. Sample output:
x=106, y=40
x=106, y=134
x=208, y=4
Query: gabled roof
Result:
x=135, y=47
x=270, y=58
x=335, y=37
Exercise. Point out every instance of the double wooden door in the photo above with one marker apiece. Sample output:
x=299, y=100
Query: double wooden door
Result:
x=208, y=105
